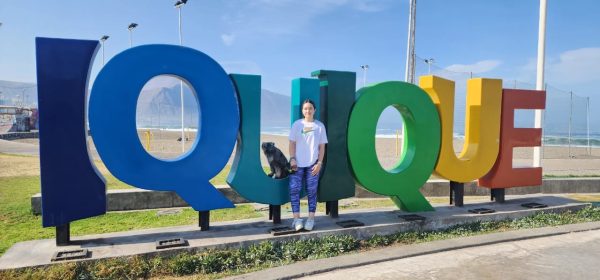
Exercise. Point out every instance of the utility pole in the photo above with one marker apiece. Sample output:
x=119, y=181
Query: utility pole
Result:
x=539, y=85
x=410, y=50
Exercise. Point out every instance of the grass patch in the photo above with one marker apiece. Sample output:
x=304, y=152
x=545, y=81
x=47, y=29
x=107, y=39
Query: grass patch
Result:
x=584, y=197
x=17, y=222
x=218, y=263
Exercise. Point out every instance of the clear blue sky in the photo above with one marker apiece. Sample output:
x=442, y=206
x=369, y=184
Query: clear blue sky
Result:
x=286, y=39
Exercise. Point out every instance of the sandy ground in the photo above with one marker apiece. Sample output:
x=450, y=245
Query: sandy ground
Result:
x=556, y=160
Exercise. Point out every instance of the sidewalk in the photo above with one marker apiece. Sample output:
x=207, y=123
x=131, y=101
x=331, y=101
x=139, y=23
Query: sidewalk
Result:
x=564, y=252
x=17, y=148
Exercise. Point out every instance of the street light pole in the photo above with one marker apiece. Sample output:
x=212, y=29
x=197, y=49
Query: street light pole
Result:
x=103, y=40
x=429, y=62
x=178, y=5
x=365, y=69
x=131, y=27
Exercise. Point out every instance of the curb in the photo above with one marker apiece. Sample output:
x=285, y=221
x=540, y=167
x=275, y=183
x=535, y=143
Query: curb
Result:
x=307, y=268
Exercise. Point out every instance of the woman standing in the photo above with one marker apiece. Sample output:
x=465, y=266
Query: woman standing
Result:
x=307, y=149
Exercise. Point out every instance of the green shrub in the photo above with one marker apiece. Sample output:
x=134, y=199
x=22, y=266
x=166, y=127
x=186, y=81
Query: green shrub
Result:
x=263, y=252
x=184, y=264
x=380, y=240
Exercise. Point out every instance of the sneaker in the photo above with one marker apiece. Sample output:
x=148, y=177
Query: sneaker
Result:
x=310, y=223
x=297, y=224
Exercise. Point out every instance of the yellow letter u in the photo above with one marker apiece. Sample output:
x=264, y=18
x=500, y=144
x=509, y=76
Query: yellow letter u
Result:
x=482, y=127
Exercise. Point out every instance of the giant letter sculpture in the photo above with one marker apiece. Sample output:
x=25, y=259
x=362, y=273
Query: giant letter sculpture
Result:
x=337, y=96
x=420, y=150
x=503, y=175
x=72, y=189
x=112, y=122
x=247, y=176
x=482, y=128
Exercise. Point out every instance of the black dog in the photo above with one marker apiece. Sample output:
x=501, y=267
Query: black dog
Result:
x=277, y=161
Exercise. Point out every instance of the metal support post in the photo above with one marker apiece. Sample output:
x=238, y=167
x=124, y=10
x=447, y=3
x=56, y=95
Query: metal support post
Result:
x=570, y=120
x=457, y=193
x=275, y=213
x=204, y=220
x=331, y=208
x=63, y=235
x=497, y=195
x=588, y=126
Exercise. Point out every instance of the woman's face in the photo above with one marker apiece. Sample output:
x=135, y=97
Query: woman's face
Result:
x=308, y=111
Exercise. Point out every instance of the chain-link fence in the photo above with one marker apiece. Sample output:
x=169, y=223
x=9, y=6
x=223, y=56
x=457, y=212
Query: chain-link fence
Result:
x=567, y=132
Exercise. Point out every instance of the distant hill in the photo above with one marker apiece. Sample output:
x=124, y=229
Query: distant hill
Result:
x=163, y=105
x=274, y=111
x=18, y=93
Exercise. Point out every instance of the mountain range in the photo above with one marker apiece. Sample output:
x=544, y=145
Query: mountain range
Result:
x=160, y=107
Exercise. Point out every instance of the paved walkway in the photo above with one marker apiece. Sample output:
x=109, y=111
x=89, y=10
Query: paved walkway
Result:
x=567, y=256
x=17, y=148
x=563, y=252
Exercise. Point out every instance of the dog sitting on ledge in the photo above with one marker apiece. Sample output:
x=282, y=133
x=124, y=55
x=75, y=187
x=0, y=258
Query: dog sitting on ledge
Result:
x=277, y=161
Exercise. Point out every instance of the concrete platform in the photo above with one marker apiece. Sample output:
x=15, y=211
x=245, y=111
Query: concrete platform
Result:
x=139, y=199
x=246, y=232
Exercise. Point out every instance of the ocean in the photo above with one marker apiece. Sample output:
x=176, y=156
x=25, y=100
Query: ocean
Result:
x=578, y=140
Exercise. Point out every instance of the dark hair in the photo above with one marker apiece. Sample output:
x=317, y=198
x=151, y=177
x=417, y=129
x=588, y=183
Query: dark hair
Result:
x=308, y=101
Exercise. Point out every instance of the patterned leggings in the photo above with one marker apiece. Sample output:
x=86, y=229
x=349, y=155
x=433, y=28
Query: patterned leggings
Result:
x=312, y=183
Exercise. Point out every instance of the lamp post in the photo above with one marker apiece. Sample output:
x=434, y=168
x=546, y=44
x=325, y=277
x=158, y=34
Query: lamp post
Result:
x=429, y=61
x=131, y=27
x=103, y=40
x=178, y=5
x=365, y=68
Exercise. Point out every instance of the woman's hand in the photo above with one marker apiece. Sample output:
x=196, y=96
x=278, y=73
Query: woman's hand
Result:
x=316, y=168
x=293, y=164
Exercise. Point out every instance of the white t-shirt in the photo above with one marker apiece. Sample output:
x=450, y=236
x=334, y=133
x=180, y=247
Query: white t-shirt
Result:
x=308, y=136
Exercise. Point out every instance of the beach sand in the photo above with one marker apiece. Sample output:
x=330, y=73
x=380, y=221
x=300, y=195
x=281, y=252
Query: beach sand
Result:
x=556, y=159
